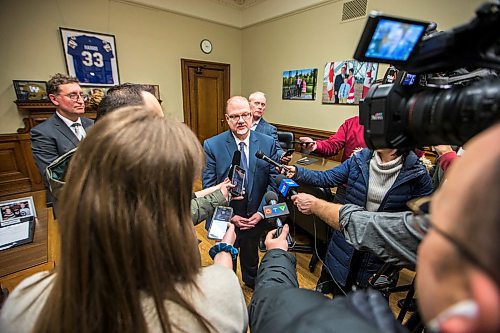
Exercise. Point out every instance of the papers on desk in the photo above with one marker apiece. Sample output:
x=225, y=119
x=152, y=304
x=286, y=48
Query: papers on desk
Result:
x=306, y=160
x=17, y=222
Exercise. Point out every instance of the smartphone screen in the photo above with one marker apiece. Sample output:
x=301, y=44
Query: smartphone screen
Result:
x=222, y=216
x=238, y=180
x=289, y=152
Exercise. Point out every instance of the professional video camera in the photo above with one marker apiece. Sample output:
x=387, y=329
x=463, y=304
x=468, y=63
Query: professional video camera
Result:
x=447, y=88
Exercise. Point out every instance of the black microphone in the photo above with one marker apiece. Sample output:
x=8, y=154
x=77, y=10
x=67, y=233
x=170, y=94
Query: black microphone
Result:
x=271, y=198
x=236, y=161
x=260, y=155
x=286, y=189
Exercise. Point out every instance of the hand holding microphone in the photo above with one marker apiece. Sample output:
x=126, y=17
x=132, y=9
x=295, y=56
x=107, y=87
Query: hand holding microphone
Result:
x=280, y=242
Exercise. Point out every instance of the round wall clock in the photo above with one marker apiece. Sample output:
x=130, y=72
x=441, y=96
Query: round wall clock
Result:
x=206, y=46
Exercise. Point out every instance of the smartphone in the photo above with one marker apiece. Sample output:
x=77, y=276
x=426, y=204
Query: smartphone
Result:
x=238, y=179
x=289, y=152
x=220, y=219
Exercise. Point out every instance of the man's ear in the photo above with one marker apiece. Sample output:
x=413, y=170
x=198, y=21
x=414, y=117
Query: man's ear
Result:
x=53, y=99
x=487, y=295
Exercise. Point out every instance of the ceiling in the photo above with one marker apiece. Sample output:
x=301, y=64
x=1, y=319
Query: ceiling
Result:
x=234, y=13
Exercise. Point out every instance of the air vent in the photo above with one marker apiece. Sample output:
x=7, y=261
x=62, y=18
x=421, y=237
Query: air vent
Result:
x=354, y=10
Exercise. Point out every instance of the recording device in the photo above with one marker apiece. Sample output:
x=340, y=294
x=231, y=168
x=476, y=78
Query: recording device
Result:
x=276, y=210
x=260, y=155
x=235, y=162
x=446, y=90
x=221, y=218
x=286, y=186
x=289, y=152
x=238, y=180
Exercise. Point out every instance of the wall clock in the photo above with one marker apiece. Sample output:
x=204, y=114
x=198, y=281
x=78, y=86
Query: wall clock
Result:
x=206, y=46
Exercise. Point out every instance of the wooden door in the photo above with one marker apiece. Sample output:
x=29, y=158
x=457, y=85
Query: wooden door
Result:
x=205, y=90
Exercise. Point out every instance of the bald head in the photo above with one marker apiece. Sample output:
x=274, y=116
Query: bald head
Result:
x=237, y=101
x=468, y=204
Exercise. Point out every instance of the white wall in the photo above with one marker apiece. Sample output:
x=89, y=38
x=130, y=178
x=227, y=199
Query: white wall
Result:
x=312, y=38
x=149, y=42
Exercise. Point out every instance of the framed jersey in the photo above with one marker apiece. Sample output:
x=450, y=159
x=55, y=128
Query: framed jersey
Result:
x=90, y=57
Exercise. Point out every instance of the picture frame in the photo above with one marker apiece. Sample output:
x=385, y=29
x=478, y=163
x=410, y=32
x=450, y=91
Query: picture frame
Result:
x=154, y=89
x=299, y=84
x=17, y=222
x=95, y=95
x=30, y=90
x=347, y=82
x=91, y=57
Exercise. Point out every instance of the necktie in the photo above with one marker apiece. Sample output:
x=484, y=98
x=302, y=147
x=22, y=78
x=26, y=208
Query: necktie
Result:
x=77, y=130
x=244, y=162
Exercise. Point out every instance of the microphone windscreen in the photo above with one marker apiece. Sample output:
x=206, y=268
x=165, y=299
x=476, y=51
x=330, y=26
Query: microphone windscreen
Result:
x=270, y=196
x=279, y=178
x=259, y=154
x=236, y=158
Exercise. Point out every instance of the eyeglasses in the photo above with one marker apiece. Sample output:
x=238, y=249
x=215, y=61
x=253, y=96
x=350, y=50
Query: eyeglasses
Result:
x=75, y=97
x=422, y=223
x=235, y=117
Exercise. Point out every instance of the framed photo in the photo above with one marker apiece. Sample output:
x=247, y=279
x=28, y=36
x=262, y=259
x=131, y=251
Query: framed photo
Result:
x=95, y=95
x=347, y=81
x=154, y=89
x=17, y=222
x=91, y=57
x=299, y=84
x=30, y=90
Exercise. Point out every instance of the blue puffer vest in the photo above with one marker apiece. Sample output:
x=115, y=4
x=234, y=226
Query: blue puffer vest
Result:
x=413, y=181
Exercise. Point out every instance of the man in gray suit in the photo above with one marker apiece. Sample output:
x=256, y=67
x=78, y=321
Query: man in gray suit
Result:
x=258, y=102
x=64, y=130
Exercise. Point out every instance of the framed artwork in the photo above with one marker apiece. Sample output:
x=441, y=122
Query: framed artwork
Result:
x=17, y=222
x=91, y=57
x=154, y=89
x=30, y=90
x=347, y=81
x=95, y=95
x=300, y=84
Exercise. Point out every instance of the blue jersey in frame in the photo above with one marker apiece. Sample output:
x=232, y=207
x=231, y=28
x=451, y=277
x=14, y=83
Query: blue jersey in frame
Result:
x=91, y=59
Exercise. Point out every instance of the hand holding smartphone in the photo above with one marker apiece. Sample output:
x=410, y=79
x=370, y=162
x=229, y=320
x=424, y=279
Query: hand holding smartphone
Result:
x=289, y=152
x=221, y=218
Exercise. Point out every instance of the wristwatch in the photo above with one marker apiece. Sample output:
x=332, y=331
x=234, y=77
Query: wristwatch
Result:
x=223, y=247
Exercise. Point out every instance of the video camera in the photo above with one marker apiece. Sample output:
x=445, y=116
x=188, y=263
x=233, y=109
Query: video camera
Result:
x=446, y=90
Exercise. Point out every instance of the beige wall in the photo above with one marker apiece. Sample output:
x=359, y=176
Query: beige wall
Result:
x=150, y=44
x=314, y=37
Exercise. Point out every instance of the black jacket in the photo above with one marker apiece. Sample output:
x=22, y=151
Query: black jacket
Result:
x=278, y=305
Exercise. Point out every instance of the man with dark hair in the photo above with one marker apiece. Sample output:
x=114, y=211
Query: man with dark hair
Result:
x=128, y=94
x=458, y=276
x=63, y=131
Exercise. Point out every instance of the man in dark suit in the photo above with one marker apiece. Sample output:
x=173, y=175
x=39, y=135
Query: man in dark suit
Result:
x=339, y=79
x=219, y=151
x=258, y=103
x=64, y=130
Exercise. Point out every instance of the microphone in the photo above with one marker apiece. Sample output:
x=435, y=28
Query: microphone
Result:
x=272, y=199
x=236, y=161
x=285, y=185
x=260, y=155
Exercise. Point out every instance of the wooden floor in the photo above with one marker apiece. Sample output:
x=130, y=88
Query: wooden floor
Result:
x=306, y=279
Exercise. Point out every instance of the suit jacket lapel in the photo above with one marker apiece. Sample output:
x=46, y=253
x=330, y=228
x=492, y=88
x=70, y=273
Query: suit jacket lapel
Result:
x=64, y=130
x=230, y=147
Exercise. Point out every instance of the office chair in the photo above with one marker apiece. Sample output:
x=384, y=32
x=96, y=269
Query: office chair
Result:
x=285, y=140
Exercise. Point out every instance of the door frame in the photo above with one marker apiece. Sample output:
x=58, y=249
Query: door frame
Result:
x=188, y=63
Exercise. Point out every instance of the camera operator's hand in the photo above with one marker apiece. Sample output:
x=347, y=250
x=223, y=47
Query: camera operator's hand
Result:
x=277, y=243
x=308, y=144
x=304, y=202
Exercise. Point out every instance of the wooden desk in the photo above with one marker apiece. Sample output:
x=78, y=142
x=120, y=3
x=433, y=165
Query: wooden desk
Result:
x=321, y=164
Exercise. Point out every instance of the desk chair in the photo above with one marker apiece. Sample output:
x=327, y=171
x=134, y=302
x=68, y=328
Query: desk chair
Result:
x=285, y=140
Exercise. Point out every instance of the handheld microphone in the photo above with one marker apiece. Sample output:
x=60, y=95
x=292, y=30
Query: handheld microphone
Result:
x=260, y=155
x=236, y=161
x=272, y=199
x=285, y=185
